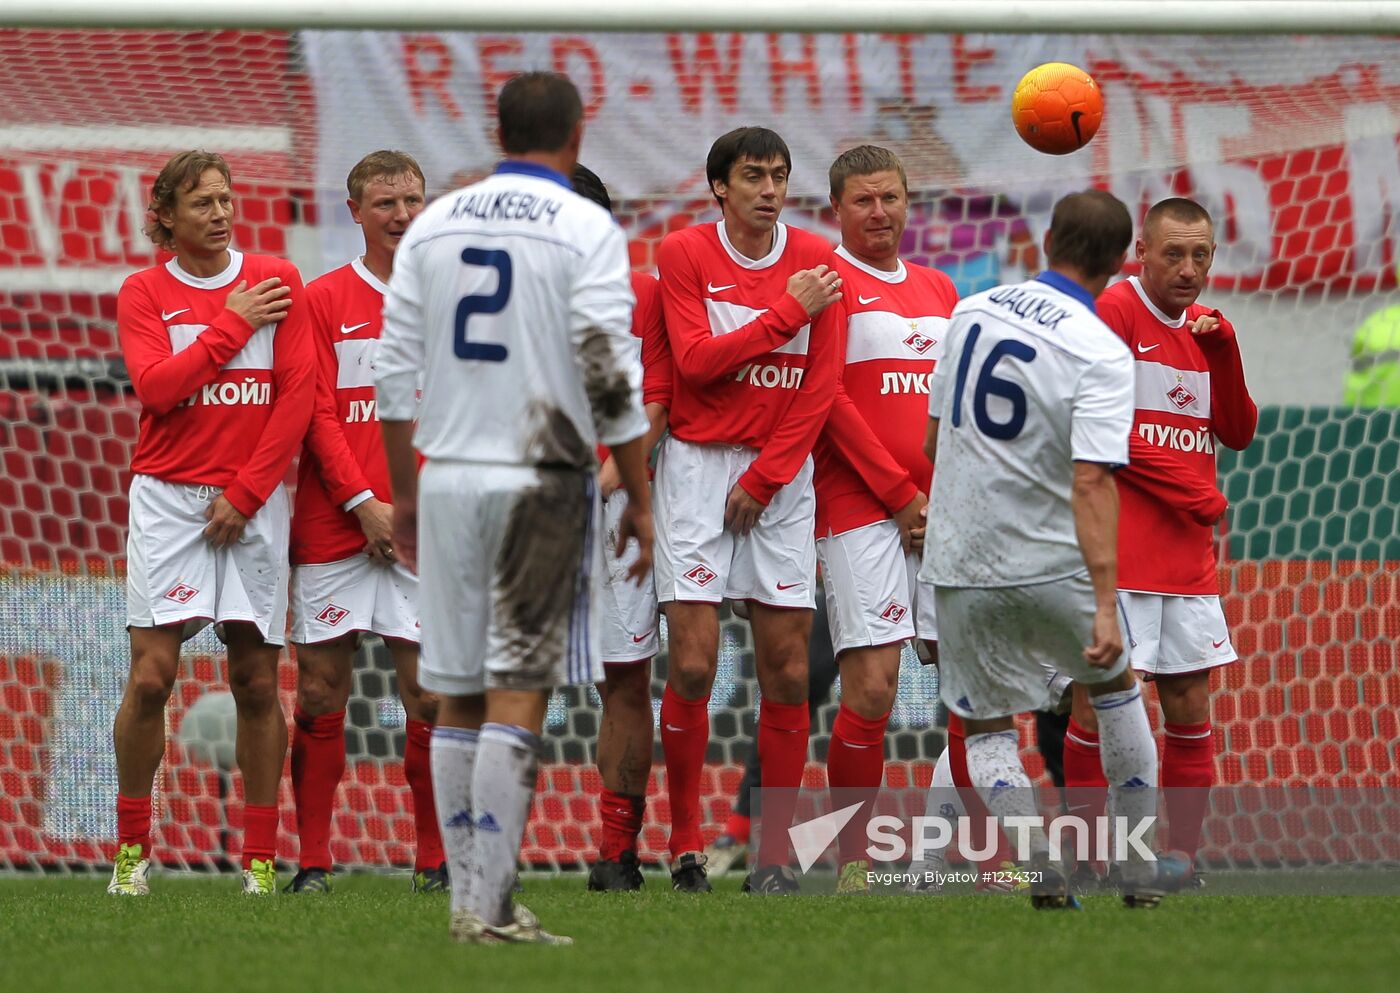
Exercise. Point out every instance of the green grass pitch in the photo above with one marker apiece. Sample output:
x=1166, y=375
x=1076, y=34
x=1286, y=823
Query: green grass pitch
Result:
x=199, y=934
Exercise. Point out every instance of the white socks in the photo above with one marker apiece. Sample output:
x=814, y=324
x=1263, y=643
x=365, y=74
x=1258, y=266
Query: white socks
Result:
x=503, y=785
x=453, y=758
x=942, y=801
x=994, y=765
x=1129, y=757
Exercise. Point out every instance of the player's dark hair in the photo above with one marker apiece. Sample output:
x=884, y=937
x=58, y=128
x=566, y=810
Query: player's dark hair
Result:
x=863, y=160
x=590, y=187
x=1176, y=209
x=383, y=164
x=181, y=174
x=1090, y=231
x=537, y=112
x=755, y=144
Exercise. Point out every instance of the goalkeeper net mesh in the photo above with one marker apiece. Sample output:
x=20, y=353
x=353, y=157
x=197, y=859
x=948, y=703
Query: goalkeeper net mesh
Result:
x=1292, y=148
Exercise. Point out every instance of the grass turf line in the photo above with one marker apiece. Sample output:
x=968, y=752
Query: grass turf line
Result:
x=198, y=934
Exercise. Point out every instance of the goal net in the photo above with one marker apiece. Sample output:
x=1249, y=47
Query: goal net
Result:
x=1292, y=147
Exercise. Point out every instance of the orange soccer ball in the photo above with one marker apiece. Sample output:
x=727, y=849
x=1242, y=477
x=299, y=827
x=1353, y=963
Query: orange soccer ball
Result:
x=1057, y=108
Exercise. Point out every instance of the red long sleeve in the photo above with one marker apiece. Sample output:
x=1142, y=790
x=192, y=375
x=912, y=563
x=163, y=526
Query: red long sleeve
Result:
x=294, y=395
x=340, y=471
x=700, y=355
x=163, y=380
x=1233, y=413
x=658, y=372
x=853, y=440
x=796, y=432
x=1156, y=473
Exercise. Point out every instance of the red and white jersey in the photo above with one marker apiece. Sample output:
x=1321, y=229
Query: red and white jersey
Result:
x=222, y=403
x=870, y=458
x=753, y=369
x=1190, y=393
x=649, y=325
x=344, y=453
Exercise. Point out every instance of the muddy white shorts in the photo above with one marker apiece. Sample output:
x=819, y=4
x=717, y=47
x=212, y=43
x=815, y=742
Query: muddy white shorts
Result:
x=1172, y=635
x=699, y=560
x=355, y=594
x=627, y=612
x=174, y=575
x=871, y=597
x=508, y=558
x=1005, y=650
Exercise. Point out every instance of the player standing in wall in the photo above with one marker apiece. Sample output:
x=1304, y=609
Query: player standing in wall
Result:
x=1031, y=408
x=628, y=625
x=1191, y=393
x=756, y=356
x=511, y=300
x=219, y=351
x=345, y=581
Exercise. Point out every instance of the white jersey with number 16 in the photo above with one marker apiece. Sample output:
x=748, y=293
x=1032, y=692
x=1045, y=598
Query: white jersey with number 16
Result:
x=1031, y=382
x=513, y=300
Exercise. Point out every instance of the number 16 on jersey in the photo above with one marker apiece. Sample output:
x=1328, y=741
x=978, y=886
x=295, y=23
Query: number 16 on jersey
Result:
x=989, y=384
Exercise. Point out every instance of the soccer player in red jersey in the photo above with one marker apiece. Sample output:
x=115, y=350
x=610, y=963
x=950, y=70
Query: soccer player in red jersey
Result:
x=345, y=581
x=1191, y=394
x=628, y=622
x=219, y=351
x=756, y=355
x=872, y=478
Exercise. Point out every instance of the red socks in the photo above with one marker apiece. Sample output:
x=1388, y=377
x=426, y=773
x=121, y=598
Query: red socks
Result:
x=1086, y=787
x=418, y=770
x=782, y=757
x=622, y=822
x=134, y=822
x=685, y=732
x=979, y=817
x=259, y=834
x=1188, y=771
x=318, y=763
x=855, y=766
x=737, y=827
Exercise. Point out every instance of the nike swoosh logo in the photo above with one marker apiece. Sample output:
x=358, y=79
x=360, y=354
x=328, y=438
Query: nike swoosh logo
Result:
x=637, y=639
x=787, y=586
x=865, y=300
x=346, y=329
x=1217, y=644
x=1144, y=350
x=712, y=288
x=174, y=313
x=1074, y=123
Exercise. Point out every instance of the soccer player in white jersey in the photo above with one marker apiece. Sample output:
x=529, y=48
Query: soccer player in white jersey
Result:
x=219, y=350
x=511, y=300
x=1029, y=414
x=345, y=581
x=756, y=353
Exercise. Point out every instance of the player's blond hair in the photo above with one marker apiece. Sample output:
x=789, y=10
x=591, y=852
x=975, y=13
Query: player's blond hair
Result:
x=864, y=160
x=180, y=175
x=383, y=164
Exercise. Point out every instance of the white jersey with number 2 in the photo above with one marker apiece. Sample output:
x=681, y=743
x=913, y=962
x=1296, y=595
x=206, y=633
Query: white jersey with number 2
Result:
x=1030, y=382
x=513, y=300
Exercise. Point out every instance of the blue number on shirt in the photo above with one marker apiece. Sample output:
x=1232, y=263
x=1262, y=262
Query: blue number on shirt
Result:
x=988, y=384
x=482, y=303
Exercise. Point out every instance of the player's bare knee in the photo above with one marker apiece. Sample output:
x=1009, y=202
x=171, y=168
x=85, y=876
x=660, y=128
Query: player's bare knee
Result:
x=1082, y=709
x=627, y=687
x=254, y=687
x=149, y=687
x=783, y=675
x=1185, y=698
x=869, y=680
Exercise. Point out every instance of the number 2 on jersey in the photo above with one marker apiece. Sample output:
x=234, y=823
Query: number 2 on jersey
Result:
x=988, y=384
x=482, y=303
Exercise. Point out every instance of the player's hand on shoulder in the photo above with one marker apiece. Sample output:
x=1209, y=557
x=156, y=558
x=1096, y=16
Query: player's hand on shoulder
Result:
x=226, y=523
x=912, y=519
x=1107, y=646
x=265, y=303
x=405, y=536
x=741, y=511
x=636, y=524
x=815, y=289
x=377, y=522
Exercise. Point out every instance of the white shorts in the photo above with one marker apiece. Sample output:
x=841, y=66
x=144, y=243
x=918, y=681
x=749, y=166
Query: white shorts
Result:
x=330, y=599
x=698, y=560
x=1003, y=650
x=628, y=616
x=871, y=595
x=1171, y=635
x=925, y=602
x=507, y=560
x=174, y=575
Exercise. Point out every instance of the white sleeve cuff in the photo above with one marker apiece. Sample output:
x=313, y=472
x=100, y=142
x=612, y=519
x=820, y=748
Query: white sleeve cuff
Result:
x=357, y=499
